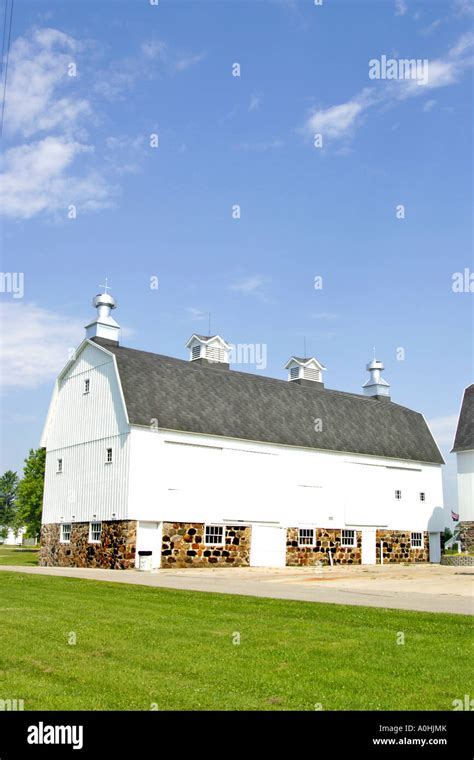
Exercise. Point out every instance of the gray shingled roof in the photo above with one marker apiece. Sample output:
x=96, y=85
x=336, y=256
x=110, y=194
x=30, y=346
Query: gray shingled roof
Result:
x=185, y=396
x=464, y=439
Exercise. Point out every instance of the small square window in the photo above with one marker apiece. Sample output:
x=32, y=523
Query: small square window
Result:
x=214, y=535
x=306, y=537
x=60, y=465
x=398, y=495
x=348, y=538
x=109, y=456
x=416, y=540
x=87, y=386
x=422, y=496
x=95, y=530
x=65, y=533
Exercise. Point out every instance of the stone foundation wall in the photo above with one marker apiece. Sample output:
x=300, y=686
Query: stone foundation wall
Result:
x=326, y=540
x=116, y=550
x=466, y=534
x=183, y=546
x=397, y=547
x=457, y=560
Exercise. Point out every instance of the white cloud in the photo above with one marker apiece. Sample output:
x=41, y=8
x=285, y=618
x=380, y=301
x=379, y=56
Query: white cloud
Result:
x=41, y=96
x=43, y=176
x=443, y=429
x=340, y=121
x=400, y=8
x=429, y=105
x=255, y=103
x=36, y=179
x=155, y=49
x=197, y=315
x=34, y=344
x=464, y=7
x=249, y=285
x=431, y=27
x=185, y=62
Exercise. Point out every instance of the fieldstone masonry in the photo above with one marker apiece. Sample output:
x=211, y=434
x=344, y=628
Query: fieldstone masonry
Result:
x=116, y=550
x=183, y=545
x=466, y=535
x=397, y=547
x=326, y=541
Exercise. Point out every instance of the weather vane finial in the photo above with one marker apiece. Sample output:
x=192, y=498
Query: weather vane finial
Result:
x=106, y=287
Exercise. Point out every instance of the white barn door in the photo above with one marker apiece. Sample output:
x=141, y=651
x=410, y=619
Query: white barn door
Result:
x=149, y=537
x=369, y=546
x=268, y=546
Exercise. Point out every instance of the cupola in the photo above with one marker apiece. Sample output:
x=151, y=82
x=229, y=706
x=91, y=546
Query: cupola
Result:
x=305, y=370
x=104, y=326
x=376, y=386
x=209, y=350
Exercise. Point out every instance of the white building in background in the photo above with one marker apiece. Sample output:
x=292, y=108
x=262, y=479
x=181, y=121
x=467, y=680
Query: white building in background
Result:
x=463, y=447
x=14, y=538
x=200, y=464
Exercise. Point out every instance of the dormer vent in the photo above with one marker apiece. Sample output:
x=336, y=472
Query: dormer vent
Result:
x=209, y=350
x=302, y=370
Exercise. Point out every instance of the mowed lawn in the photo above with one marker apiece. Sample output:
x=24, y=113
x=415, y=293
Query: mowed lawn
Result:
x=144, y=648
x=18, y=555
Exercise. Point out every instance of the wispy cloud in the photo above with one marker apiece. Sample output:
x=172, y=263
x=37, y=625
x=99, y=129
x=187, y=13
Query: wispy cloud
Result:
x=255, y=102
x=431, y=27
x=41, y=95
x=340, y=121
x=254, y=286
x=197, y=315
x=45, y=337
x=400, y=8
x=186, y=61
x=37, y=177
x=429, y=105
x=43, y=102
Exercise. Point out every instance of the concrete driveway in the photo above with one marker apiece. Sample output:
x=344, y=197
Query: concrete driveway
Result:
x=427, y=588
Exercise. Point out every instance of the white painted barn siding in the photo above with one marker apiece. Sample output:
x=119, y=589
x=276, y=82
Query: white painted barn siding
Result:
x=465, y=464
x=221, y=480
x=82, y=427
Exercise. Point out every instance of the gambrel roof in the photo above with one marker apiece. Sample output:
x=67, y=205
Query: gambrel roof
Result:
x=187, y=396
x=464, y=439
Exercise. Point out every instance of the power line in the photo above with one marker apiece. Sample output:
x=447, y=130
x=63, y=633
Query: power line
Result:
x=4, y=32
x=6, y=69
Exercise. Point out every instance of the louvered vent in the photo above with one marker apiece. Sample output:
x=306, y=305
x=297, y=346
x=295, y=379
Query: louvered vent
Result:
x=309, y=373
x=215, y=354
x=294, y=373
x=196, y=352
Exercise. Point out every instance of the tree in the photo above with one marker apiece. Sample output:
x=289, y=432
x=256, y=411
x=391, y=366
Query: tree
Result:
x=8, y=491
x=30, y=493
x=445, y=536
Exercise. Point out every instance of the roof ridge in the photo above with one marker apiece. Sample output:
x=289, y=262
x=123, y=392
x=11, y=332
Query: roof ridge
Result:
x=184, y=363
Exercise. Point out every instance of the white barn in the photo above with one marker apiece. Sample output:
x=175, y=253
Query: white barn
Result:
x=202, y=465
x=463, y=447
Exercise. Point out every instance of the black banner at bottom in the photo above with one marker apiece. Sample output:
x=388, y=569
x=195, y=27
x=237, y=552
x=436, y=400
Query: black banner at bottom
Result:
x=106, y=734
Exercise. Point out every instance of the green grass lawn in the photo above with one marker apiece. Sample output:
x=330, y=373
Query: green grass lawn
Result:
x=140, y=645
x=18, y=555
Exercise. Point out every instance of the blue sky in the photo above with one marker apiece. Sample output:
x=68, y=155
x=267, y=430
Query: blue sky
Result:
x=305, y=211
